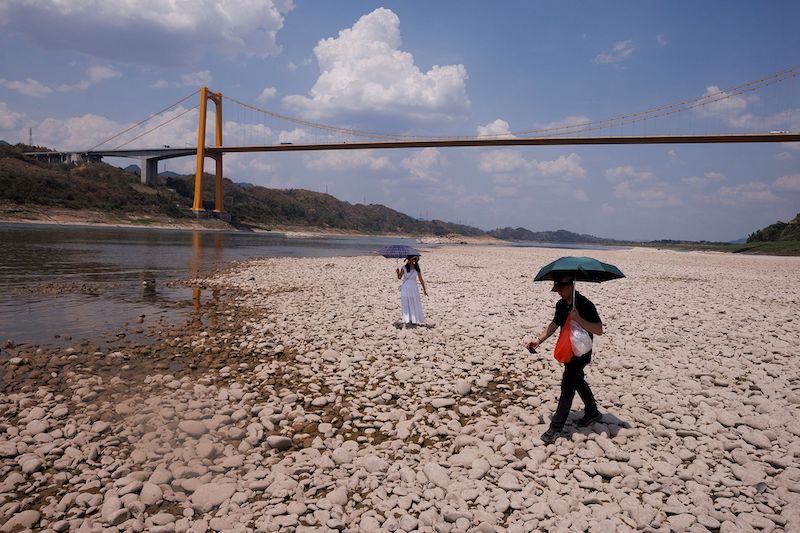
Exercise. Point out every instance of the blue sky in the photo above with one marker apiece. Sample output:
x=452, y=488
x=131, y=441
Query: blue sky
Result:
x=78, y=72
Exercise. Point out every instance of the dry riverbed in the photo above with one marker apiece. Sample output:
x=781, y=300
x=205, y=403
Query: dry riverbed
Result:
x=296, y=403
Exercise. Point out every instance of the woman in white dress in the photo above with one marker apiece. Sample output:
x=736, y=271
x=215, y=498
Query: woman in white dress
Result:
x=410, y=302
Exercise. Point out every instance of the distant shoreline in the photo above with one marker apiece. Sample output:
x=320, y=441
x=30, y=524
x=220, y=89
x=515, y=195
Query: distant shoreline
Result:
x=291, y=231
x=65, y=217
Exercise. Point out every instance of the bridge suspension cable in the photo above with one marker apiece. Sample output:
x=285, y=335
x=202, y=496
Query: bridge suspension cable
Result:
x=176, y=117
x=123, y=132
x=581, y=127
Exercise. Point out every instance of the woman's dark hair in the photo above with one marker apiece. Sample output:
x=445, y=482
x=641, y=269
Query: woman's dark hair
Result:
x=416, y=264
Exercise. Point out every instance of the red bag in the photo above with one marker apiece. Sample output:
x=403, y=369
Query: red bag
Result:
x=563, y=351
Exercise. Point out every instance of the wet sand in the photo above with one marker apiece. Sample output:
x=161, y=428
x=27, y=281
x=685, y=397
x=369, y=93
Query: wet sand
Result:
x=296, y=403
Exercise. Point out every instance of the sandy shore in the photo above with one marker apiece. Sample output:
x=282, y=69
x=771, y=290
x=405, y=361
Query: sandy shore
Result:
x=297, y=404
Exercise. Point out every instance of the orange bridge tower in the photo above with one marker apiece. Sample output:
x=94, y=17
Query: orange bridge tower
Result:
x=197, y=207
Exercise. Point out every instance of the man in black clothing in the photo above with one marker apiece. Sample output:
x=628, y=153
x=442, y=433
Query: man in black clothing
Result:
x=585, y=314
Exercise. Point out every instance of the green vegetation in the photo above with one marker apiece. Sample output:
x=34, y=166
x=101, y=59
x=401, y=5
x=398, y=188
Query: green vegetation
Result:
x=97, y=186
x=24, y=181
x=780, y=231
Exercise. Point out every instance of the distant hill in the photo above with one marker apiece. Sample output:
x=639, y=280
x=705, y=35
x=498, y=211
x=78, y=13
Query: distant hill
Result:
x=98, y=186
x=563, y=236
x=256, y=205
x=780, y=231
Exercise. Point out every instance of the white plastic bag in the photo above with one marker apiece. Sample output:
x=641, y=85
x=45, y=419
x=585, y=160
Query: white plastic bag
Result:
x=581, y=341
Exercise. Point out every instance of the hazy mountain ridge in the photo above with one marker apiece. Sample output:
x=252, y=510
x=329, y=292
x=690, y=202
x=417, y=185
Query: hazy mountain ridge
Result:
x=561, y=235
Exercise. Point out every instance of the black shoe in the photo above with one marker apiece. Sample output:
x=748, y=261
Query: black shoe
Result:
x=550, y=436
x=589, y=419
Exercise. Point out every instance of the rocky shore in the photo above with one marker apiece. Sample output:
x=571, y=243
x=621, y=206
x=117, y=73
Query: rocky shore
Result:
x=296, y=402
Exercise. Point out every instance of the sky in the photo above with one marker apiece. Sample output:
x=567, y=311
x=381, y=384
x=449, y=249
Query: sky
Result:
x=75, y=73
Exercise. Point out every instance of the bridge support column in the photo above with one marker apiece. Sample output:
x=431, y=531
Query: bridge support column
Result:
x=149, y=171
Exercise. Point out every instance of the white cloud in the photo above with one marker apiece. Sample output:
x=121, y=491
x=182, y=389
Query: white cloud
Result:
x=425, y=164
x=9, y=120
x=571, y=122
x=363, y=70
x=627, y=171
x=708, y=177
x=565, y=168
x=499, y=161
x=620, y=51
x=662, y=40
x=674, y=158
x=99, y=73
x=607, y=210
x=195, y=79
x=267, y=93
x=36, y=89
x=723, y=104
x=27, y=87
x=789, y=183
x=652, y=196
x=347, y=160
x=732, y=110
x=498, y=129
x=746, y=193
x=191, y=79
x=151, y=32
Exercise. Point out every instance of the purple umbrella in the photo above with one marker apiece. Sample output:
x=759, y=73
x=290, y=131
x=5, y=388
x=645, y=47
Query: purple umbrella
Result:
x=398, y=251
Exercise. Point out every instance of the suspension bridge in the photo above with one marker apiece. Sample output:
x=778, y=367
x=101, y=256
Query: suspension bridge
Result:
x=256, y=136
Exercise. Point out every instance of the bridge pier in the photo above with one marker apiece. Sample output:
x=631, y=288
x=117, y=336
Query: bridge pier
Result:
x=149, y=170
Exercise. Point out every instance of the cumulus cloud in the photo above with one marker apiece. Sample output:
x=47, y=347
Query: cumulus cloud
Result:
x=566, y=124
x=746, y=193
x=790, y=183
x=565, y=168
x=363, y=70
x=9, y=120
x=267, y=93
x=147, y=32
x=202, y=77
x=620, y=51
x=498, y=129
x=426, y=164
x=708, y=177
x=27, y=87
x=36, y=89
x=733, y=110
x=627, y=172
x=645, y=194
x=191, y=79
x=347, y=160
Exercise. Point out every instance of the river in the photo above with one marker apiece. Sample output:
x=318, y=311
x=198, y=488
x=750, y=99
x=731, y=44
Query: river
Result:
x=60, y=284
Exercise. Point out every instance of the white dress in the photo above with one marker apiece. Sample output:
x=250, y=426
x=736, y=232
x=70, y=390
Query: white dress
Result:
x=410, y=302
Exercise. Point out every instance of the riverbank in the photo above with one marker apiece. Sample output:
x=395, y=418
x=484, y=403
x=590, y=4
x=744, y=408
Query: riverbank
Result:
x=67, y=217
x=293, y=400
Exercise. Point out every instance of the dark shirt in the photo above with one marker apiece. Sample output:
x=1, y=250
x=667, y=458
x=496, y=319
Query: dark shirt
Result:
x=585, y=308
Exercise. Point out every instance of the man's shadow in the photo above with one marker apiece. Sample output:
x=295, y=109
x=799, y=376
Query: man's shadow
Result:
x=609, y=423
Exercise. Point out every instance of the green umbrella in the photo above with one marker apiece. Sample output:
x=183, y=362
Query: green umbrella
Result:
x=580, y=268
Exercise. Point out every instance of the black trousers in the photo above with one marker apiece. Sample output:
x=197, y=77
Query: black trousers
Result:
x=573, y=381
